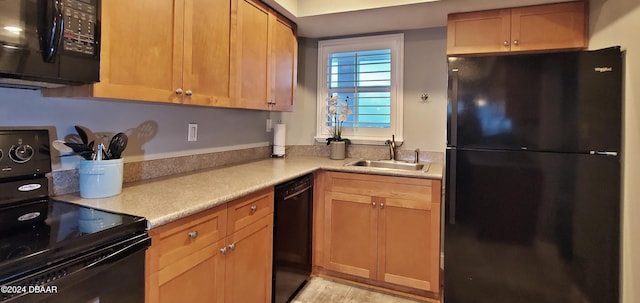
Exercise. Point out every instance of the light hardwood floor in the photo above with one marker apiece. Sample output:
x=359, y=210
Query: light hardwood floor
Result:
x=320, y=290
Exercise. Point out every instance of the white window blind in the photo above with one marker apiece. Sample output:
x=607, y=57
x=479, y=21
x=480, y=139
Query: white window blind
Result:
x=366, y=71
x=365, y=78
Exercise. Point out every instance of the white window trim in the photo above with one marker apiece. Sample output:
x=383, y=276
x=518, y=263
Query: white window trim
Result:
x=393, y=41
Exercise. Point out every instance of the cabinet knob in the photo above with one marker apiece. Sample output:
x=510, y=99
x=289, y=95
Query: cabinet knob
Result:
x=515, y=42
x=179, y=91
x=254, y=208
x=193, y=234
x=189, y=92
x=223, y=250
x=505, y=43
x=373, y=204
x=232, y=246
x=381, y=205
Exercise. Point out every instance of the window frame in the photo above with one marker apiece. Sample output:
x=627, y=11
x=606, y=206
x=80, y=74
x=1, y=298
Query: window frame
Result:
x=372, y=136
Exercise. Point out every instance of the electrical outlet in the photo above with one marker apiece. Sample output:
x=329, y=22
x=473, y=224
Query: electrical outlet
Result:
x=193, y=132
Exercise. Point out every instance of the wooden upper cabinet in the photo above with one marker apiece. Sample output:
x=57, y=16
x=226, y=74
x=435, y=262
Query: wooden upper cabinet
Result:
x=553, y=26
x=237, y=53
x=479, y=32
x=532, y=28
x=206, y=66
x=139, y=57
x=251, y=70
x=284, y=56
x=264, y=59
x=173, y=51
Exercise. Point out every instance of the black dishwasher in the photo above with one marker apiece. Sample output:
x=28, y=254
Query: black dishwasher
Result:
x=292, y=237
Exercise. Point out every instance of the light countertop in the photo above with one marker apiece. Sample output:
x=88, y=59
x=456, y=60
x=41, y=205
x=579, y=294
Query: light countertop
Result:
x=167, y=199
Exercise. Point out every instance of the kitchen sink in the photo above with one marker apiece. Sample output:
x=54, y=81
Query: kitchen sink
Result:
x=390, y=164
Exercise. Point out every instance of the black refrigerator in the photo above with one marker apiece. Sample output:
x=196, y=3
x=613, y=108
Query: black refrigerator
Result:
x=532, y=203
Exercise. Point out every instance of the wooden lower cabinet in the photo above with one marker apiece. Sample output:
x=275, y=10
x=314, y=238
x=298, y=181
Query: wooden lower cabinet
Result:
x=351, y=234
x=409, y=243
x=207, y=258
x=248, y=263
x=380, y=229
x=203, y=282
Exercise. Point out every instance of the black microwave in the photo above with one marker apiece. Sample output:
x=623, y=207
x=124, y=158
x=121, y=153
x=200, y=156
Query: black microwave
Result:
x=49, y=43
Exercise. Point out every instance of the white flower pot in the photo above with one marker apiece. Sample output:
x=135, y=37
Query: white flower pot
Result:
x=337, y=150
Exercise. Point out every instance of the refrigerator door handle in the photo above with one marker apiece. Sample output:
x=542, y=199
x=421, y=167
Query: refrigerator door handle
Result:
x=453, y=120
x=451, y=204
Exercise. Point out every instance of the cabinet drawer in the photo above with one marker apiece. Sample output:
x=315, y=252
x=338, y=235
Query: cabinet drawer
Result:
x=384, y=186
x=189, y=235
x=249, y=209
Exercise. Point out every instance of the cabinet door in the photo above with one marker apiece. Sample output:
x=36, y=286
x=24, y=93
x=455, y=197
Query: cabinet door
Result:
x=409, y=247
x=251, y=70
x=350, y=234
x=141, y=51
x=284, y=49
x=207, y=26
x=184, y=258
x=555, y=26
x=249, y=263
x=203, y=281
x=479, y=32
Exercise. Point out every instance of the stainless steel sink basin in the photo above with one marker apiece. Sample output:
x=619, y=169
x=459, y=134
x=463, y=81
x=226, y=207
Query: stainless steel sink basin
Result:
x=389, y=164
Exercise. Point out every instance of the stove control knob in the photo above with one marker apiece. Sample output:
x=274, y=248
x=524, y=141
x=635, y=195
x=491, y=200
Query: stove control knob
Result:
x=21, y=153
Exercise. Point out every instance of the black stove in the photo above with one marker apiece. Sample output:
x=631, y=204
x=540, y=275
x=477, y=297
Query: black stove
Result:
x=55, y=251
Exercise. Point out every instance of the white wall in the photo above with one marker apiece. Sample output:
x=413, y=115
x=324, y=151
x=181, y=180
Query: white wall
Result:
x=155, y=130
x=616, y=22
x=425, y=70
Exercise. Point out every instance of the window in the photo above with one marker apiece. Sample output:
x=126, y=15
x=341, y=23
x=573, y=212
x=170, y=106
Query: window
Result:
x=366, y=71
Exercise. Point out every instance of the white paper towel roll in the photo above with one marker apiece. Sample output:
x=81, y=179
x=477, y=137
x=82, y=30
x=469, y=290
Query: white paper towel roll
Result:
x=279, y=135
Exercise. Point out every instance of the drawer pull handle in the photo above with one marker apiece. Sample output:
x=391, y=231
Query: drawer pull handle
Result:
x=381, y=205
x=193, y=234
x=232, y=246
x=254, y=208
x=223, y=250
x=373, y=204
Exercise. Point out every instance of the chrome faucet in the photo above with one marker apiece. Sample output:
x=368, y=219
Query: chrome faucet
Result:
x=392, y=147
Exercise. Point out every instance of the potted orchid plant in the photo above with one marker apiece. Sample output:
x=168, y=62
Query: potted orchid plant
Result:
x=338, y=112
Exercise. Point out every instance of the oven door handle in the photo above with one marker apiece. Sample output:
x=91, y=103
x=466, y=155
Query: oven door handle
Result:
x=121, y=253
x=297, y=193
